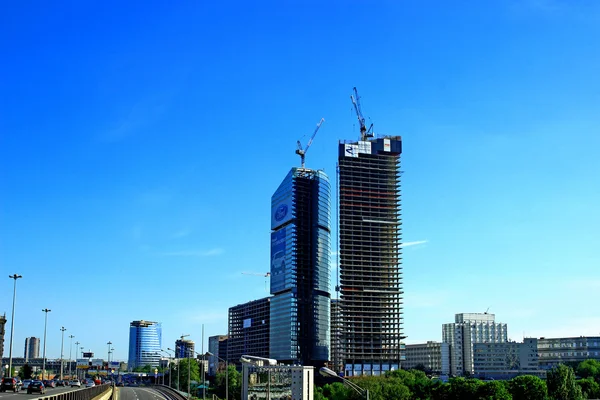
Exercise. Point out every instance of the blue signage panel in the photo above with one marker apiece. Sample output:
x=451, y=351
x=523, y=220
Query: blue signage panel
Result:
x=278, y=267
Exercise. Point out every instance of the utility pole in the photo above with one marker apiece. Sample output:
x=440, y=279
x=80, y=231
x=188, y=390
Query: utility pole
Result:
x=71, y=356
x=76, y=348
x=46, y=311
x=62, y=342
x=12, y=322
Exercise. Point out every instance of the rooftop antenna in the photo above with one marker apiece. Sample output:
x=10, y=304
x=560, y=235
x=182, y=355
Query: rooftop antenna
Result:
x=300, y=151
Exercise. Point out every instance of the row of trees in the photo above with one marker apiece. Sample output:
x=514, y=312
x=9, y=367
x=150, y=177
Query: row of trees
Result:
x=561, y=384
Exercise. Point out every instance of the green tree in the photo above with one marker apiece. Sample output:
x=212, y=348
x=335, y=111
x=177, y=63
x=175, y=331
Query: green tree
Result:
x=235, y=383
x=194, y=372
x=528, y=387
x=336, y=391
x=26, y=371
x=462, y=388
x=589, y=388
x=561, y=384
x=589, y=369
x=493, y=390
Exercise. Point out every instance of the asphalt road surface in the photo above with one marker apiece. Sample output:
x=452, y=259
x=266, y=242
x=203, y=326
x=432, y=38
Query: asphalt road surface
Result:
x=22, y=394
x=139, y=393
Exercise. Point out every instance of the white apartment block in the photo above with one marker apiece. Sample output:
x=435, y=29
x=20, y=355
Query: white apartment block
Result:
x=467, y=329
x=434, y=356
x=556, y=351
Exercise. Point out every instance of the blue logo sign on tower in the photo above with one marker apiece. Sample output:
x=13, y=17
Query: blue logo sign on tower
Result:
x=281, y=212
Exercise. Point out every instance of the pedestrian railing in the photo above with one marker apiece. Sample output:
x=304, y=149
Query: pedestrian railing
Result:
x=82, y=394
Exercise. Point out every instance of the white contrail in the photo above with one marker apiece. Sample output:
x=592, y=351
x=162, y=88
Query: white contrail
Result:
x=407, y=244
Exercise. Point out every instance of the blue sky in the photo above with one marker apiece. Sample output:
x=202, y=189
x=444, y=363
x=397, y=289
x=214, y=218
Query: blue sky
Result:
x=140, y=145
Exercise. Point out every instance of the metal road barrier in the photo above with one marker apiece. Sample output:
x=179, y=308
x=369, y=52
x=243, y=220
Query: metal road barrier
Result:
x=82, y=394
x=168, y=392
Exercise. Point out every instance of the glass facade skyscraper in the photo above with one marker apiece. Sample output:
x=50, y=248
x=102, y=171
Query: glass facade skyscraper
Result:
x=300, y=268
x=145, y=339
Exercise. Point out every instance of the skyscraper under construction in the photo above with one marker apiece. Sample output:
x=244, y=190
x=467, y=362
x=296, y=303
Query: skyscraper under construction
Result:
x=370, y=254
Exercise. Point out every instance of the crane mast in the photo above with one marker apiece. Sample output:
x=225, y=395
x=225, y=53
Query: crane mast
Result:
x=364, y=132
x=302, y=152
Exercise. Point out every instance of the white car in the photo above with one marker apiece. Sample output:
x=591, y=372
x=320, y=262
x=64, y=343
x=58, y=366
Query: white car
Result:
x=90, y=383
x=75, y=382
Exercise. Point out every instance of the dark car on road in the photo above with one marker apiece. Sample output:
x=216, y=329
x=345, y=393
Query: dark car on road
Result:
x=49, y=384
x=36, y=386
x=9, y=384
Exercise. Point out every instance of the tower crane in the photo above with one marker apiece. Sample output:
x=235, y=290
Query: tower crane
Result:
x=364, y=132
x=302, y=152
x=265, y=275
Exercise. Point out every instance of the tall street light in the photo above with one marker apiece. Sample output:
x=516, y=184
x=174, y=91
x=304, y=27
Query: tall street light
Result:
x=12, y=322
x=108, y=359
x=208, y=353
x=175, y=356
x=170, y=370
x=363, y=392
x=257, y=361
x=62, y=342
x=187, y=350
x=46, y=311
x=71, y=356
x=76, y=347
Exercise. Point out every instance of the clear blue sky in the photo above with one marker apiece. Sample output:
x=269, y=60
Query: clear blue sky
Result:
x=140, y=143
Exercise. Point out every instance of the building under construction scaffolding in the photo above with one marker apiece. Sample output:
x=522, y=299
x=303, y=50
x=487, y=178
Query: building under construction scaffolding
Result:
x=370, y=255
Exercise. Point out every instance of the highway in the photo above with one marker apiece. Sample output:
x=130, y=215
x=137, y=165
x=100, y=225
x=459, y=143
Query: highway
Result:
x=139, y=393
x=22, y=394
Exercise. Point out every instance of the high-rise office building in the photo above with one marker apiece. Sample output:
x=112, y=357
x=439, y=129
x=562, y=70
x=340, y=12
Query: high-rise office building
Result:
x=215, y=348
x=300, y=268
x=185, y=348
x=370, y=255
x=467, y=329
x=145, y=339
x=248, y=330
x=32, y=348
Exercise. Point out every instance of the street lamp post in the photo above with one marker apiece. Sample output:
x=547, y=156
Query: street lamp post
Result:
x=170, y=369
x=46, y=311
x=62, y=342
x=108, y=358
x=363, y=392
x=82, y=372
x=12, y=322
x=71, y=356
x=187, y=350
x=174, y=357
x=208, y=353
x=76, y=347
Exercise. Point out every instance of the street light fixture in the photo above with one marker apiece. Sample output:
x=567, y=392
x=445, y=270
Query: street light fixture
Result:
x=76, y=347
x=71, y=356
x=208, y=353
x=12, y=322
x=327, y=372
x=108, y=358
x=62, y=342
x=46, y=311
x=187, y=350
x=170, y=369
x=174, y=357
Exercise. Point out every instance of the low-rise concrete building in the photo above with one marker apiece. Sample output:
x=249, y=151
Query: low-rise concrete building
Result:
x=506, y=360
x=554, y=351
x=433, y=356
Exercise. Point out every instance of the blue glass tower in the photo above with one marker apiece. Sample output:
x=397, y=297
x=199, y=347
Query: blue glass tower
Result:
x=300, y=268
x=145, y=340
